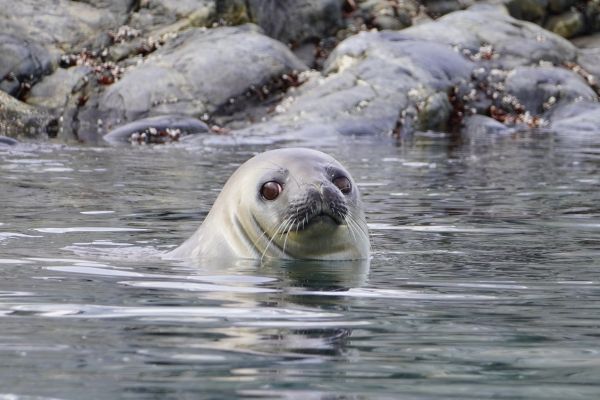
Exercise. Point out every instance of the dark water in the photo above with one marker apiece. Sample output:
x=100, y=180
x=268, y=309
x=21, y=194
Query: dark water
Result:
x=484, y=282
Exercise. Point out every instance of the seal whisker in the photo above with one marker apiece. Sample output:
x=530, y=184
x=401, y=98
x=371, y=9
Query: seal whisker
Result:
x=362, y=230
x=271, y=241
x=287, y=234
x=351, y=228
x=360, y=227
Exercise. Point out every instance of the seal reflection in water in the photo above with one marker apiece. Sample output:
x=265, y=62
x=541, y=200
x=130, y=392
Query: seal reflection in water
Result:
x=289, y=204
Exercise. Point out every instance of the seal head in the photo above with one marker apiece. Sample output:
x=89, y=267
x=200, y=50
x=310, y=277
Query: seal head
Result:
x=289, y=203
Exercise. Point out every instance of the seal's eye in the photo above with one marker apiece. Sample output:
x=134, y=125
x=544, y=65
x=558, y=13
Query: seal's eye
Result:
x=271, y=190
x=343, y=184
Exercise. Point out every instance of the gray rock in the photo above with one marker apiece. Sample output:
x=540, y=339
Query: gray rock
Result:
x=577, y=120
x=476, y=127
x=290, y=21
x=422, y=79
x=589, y=60
x=120, y=9
x=437, y=8
x=375, y=83
x=18, y=119
x=199, y=72
x=6, y=141
x=160, y=129
x=295, y=21
x=54, y=91
x=587, y=41
x=514, y=42
x=540, y=89
x=22, y=64
x=55, y=24
x=153, y=14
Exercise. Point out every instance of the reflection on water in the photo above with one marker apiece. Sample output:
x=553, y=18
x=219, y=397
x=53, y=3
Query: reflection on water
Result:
x=483, y=282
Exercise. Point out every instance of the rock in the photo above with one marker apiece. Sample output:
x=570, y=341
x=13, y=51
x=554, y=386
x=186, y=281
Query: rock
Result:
x=434, y=113
x=6, y=141
x=437, y=8
x=567, y=25
x=156, y=13
x=577, y=120
x=56, y=24
x=120, y=9
x=559, y=6
x=540, y=89
x=233, y=12
x=18, y=119
x=479, y=126
x=587, y=41
x=386, y=15
x=513, y=42
x=160, y=129
x=592, y=15
x=54, y=91
x=375, y=83
x=589, y=60
x=22, y=63
x=191, y=75
x=296, y=21
x=435, y=76
x=289, y=21
x=528, y=10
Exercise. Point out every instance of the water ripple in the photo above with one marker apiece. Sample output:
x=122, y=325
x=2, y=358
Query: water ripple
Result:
x=165, y=312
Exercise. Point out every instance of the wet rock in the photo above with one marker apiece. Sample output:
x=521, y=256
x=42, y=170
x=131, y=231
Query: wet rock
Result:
x=153, y=14
x=296, y=21
x=120, y=9
x=191, y=75
x=437, y=8
x=22, y=63
x=529, y=10
x=289, y=21
x=375, y=83
x=160, y=129
x=6, y=141
x=434, y=112
x=513, y=42
x=589, y=60
x=56, y=24
x=577, y=119
x=385, y=15
x=481, y=126
x=588, y=41
x=567, y=25
x=54, y=91
x=18, y=119
x=540, y=89
x=436, y=76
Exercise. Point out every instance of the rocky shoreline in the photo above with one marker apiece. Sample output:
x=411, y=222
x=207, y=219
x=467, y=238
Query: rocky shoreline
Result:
x=153, y=71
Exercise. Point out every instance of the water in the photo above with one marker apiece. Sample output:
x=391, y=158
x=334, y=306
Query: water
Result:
x=484, y=281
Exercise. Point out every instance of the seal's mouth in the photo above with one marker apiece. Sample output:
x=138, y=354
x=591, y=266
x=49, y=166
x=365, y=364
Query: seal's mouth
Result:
x=315, y=210
x=320, y=218
x=325, y=218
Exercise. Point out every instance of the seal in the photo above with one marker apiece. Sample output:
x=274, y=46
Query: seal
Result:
x=291, y=203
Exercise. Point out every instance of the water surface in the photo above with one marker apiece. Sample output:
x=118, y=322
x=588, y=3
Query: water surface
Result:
x=484, y=281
